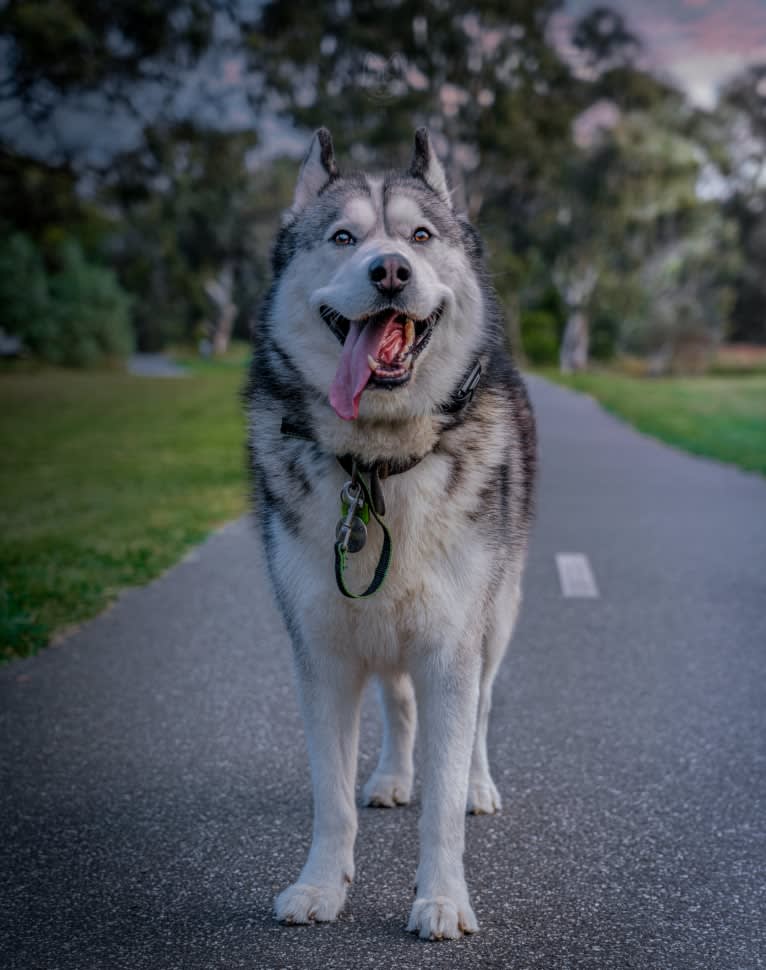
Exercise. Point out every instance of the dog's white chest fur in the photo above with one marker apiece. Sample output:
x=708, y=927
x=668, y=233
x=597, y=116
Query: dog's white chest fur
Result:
x=435, y=580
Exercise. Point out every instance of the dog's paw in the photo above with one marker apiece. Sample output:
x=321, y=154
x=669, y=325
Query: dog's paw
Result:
x=387, y=791
x=441, y=919
x=302, y=903
x=483, y=797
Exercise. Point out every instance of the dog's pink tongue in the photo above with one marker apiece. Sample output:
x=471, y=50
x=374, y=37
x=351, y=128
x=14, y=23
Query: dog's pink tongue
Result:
x=353, y=370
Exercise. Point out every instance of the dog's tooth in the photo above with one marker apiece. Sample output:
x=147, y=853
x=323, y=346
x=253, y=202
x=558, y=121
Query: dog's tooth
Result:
x=409, y=333
x=372, y=362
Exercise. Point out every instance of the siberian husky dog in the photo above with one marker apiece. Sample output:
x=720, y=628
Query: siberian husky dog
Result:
x=379, y=371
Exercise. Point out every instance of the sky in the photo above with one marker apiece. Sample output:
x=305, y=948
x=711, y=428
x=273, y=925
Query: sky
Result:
x=698, y=43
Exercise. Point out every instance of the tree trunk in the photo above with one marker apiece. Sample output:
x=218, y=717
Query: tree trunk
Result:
x=224, y=326
x=576, y=290
x=220, y=291
x=573, y=355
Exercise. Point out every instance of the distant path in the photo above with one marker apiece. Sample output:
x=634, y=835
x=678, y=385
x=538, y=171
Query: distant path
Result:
x=154, y=365
x=154, y=785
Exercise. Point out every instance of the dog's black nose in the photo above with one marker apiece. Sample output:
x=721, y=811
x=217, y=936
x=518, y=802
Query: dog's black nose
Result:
x=390, y=272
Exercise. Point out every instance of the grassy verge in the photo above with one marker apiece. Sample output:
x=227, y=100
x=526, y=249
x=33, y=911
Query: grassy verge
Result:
x=721, y=417
x=106, y=479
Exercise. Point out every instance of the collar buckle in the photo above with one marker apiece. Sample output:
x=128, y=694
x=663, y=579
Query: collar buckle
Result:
x=464, y=393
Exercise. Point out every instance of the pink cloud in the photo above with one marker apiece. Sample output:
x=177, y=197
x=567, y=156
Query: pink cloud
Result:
x=732, y=28
x=700, y=43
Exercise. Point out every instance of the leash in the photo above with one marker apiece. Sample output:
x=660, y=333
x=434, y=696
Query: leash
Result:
x=358, y=500
x=351, y=534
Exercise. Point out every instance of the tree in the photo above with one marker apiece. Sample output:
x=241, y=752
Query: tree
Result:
x=58, y=52
x=486, y=80
x=638, y=235
x=128, y=60
x=605, y=42
x=739, y=149
x=187, y=230
x=76, y=314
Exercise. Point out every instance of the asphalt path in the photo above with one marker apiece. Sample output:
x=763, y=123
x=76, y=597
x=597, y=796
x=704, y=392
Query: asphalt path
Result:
x=154, y=365
x=154, y=789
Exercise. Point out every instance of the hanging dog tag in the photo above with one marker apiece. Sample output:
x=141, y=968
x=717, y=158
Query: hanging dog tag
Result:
x=351, y=531
x=356, y=531
x=356, y=505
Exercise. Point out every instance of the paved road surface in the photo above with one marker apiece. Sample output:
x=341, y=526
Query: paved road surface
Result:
x=154, y=365
x=154, y=787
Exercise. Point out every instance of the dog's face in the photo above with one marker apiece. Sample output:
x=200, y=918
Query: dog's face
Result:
x=377, y=300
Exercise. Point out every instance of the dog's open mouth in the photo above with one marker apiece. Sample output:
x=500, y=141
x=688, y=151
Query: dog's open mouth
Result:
x=378, y=351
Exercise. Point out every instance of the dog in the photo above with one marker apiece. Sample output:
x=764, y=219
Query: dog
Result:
x=379, y=372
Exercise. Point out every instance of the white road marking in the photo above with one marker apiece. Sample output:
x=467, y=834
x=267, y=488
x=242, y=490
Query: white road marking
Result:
x=576, y=576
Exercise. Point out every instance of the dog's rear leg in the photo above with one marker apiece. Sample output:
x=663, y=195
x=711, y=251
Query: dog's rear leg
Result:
x=330, y=695
x=483, y=796
x=391, y=782
x=447, y=690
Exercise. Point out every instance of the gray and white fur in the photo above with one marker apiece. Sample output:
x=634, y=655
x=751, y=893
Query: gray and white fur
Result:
x=435, y=633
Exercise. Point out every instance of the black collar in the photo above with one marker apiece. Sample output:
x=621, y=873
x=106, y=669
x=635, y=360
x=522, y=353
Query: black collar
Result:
x=382, y=468
x=464, y=393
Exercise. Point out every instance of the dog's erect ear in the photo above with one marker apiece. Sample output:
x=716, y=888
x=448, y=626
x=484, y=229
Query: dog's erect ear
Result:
x=426, y=165
x=319, y=167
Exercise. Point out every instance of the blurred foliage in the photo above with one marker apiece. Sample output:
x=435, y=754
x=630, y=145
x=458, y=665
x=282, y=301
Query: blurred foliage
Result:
x=539, y=337
x=603, y=39
x=668, y=255
x=740, y=139
x=603, y=194
x=189, y=208
x=76, y=315
x=24, y=300
x=604, y=333
x=485, y=77
x=59, y=48
x=89, y=313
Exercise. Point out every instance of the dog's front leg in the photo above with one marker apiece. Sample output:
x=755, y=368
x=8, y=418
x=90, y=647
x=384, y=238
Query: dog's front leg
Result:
x=447, y=690
x=330, y=696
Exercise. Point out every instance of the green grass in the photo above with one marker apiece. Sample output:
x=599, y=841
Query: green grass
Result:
x=716, y=416
x=106, y=479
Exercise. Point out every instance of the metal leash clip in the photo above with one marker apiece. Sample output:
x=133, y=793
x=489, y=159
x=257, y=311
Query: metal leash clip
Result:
x=351, y=532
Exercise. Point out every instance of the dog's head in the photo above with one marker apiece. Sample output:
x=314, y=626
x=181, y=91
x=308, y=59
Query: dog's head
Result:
x=377, y=301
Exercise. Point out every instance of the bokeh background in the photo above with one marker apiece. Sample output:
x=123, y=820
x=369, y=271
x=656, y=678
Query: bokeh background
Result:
x=613, y=157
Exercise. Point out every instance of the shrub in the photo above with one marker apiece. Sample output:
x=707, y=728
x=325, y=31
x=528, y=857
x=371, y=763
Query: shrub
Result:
x=604, y=330
x=24, y=298
x=77, y=316
x=90, y=310
x=539, y=336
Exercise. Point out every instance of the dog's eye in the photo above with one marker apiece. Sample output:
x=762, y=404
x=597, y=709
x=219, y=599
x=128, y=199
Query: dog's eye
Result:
x=343, y=238
x=421, y=235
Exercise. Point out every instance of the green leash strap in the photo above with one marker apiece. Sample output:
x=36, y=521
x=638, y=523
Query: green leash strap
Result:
x=341, y=554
